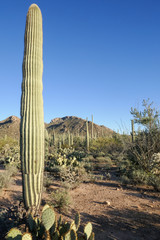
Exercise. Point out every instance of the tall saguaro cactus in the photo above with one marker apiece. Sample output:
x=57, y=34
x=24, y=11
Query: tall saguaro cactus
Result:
x=32, y=119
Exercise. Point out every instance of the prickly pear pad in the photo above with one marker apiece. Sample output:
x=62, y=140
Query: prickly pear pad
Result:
x=48, y=218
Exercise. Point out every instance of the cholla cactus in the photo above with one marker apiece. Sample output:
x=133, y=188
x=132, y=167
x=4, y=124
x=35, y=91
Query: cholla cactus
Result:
x=32, y=120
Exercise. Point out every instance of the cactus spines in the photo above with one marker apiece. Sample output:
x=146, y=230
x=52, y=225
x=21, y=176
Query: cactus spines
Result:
x=32, y=119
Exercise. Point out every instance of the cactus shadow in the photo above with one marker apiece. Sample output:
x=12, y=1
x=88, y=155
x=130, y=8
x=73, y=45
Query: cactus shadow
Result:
x=144, y=196
x=124, y=224
x=18, y=182
x=16, y=196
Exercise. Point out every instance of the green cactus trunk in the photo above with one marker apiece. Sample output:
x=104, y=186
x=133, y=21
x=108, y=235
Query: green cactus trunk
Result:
x=87, y=135
x=133, y=132
x=32, y=119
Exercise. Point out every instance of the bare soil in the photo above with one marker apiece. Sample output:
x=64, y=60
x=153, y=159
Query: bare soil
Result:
x=117, y=212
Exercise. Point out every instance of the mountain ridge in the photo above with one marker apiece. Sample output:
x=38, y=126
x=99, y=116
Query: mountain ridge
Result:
x=75, y=125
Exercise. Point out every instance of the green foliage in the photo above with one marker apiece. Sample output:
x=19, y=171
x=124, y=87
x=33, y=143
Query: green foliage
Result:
x=61, y=199
x=15, y=234
x=6, y=176
x=27, y=236
x=69, y=166
x=48, y=218
x=11, y=169
x=148, y=117
x=88, y=230
x=106, y=145
x=141, y=162
x=44, y=228
x=87, y=136
x=48, y=180
x=9, y=151
x=5, y=179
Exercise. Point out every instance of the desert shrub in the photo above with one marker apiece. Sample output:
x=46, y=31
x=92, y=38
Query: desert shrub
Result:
x=104, y=146
x=60, y=199
x=155, y=182
x=11, y=169
x=74, y=176
x=77, y=154
x=139, y=177
x=9, y=151
x=48, y=180
x=141, y=160
x=7, y=141
x=5, y=179
x=69, y=166
x=125, y=180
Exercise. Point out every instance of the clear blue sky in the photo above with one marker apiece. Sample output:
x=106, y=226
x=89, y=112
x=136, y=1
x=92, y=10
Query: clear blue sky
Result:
x=101, y=57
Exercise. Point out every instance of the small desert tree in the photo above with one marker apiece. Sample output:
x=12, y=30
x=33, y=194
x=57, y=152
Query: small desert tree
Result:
x=148, y=117
x=147, y=140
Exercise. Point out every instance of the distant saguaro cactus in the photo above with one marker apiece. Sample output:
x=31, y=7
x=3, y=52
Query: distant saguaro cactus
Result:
x=32, y=117
x=87, y=135
x=133, y=132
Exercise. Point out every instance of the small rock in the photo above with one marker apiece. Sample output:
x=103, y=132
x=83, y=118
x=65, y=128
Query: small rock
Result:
x=108, y=203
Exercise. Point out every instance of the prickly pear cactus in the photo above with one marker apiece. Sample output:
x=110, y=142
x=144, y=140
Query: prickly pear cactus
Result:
x=70, y=235
x=32, y=119
x=15, y=234
x=77, y=220
x=88, y=230
x=27, y=236
x=47, y=227
x=48, y=218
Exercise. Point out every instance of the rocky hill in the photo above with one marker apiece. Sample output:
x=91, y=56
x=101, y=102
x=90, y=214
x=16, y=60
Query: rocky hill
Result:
x=11, y=125
x=76, y=126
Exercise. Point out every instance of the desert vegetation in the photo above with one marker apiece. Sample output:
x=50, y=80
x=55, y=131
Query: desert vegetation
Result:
x=70, y=164
x=57, y=163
